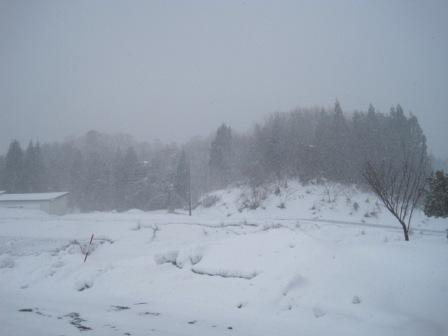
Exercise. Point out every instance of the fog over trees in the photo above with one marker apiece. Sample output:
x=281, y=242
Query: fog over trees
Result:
x=116, y=172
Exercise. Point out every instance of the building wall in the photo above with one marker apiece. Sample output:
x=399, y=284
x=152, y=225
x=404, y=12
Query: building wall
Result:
x=45, y=206
x=58, y=206
x=39, y=205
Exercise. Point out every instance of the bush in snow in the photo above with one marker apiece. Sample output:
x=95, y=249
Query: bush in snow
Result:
x=166, y=257
x=271, y=226
x=209, y=200
x=331, y=191
x=81, y=285
x=253, y=198
x=371, y=214
x=356, y=299
x=319, y=312
x=7, y=262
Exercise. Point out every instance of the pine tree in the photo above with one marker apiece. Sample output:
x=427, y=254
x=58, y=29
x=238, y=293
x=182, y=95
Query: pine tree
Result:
x=97, y=194
x=221, y=156
x=275, y=146
x=118, y=181
x=253, y=164
x=28, y=167
x=2, y=171
x=33, y=169
x=131, y=177
x=13, y=176
x=181, y=179
x=39, y=178
x=340, y=146
x=76, y=180
x=436, y=202
x=333, y=145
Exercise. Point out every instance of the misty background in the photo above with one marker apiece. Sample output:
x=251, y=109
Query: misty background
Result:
x=171, y=70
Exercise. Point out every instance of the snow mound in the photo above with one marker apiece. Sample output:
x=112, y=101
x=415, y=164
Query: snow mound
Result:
x=166, y=257
x=238, y=274
x=295, y=282
x=135, y=212
x=180, y=258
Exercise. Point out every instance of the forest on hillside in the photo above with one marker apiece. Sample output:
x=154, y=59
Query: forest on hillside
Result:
x=115, y=172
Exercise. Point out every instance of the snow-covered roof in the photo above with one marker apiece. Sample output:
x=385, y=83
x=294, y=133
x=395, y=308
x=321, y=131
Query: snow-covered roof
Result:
x=2, y=192
x=31, y=196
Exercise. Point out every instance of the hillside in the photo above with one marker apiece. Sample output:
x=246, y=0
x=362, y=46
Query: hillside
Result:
x=309, y=260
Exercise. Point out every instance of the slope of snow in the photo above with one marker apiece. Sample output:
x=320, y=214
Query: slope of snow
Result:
x=312, y=266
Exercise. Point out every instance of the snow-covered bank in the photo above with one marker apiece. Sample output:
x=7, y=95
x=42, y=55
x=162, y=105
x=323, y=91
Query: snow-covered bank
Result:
x=312, y=266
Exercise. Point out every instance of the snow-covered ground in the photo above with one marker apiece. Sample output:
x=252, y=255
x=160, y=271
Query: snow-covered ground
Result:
x=311, y=260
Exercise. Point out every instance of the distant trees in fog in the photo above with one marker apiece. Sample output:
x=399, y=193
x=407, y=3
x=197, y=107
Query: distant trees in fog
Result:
x=318, y=143
x=22, y=171
x=105, y=172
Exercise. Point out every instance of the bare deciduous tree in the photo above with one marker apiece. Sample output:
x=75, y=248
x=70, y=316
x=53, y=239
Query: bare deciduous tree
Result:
x=399, y=185
x=331, y=190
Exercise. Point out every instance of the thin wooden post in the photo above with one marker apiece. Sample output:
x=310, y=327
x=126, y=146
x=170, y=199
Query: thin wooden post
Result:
x=88, y=248
x=189, y=187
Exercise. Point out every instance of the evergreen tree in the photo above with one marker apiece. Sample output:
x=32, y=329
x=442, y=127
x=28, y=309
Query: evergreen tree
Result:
x=322, y=143
x=340, y=146
x=28, y=168
x=131, y=178
x=2, y=171
x=13, y=176
x=33, y=169
x=299, y=138
x=77, y=180
x=436, y=202
x=220, y=162
x=119, y=181
x=275, y=146
x=333, y=145
x=253, y=164
x=97, y=194
x=182, y=179
x=39, y=180
x=365, y=142
x=156, y=186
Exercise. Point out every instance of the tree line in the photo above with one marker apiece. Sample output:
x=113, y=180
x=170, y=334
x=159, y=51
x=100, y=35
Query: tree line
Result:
x=107, y=172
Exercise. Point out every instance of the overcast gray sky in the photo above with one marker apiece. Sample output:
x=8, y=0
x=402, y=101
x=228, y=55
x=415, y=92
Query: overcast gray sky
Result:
x=173, y=69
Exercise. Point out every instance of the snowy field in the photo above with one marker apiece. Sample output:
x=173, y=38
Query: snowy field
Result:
x=309, y=261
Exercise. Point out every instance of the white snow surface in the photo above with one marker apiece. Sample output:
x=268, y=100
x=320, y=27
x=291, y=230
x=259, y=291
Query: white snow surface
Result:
x=305, y=262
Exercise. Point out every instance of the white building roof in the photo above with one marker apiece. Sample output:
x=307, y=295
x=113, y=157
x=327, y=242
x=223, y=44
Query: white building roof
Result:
x=31, y=196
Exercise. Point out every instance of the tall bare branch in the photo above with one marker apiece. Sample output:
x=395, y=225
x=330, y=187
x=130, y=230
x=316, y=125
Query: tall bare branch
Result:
x=399, y=184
